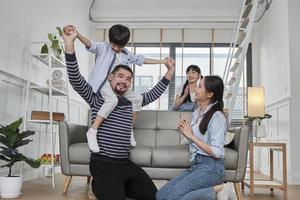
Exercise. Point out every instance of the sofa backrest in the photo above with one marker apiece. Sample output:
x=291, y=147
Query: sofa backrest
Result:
x=157, y=128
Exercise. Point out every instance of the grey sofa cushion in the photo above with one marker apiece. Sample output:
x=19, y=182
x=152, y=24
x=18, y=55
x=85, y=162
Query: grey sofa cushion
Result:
x=173, y=156
x=79, y=153
x=141, y=155
x=231, y=156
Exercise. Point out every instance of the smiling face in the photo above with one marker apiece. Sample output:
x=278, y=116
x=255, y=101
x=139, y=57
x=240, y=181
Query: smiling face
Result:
x=201, y=94
x=192, y=76
x=120, y=81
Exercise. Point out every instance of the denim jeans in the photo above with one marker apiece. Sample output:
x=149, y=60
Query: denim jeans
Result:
x=196, y=183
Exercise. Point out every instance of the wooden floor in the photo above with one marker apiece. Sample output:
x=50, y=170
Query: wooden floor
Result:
x=41, y=189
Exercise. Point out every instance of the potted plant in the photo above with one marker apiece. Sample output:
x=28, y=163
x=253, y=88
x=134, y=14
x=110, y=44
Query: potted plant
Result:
x=10, y=140
x=55, y=46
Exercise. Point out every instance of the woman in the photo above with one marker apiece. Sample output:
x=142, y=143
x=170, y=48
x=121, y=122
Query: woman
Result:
x=206, y=135
x=185, y=97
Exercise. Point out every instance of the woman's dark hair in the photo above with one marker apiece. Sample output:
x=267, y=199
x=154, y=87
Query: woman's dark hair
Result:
x=215, y=85
x=119, y=35
x=189, y=68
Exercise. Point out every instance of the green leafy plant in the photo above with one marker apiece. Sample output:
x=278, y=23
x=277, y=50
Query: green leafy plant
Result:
x=56, y=48
x=11, y=139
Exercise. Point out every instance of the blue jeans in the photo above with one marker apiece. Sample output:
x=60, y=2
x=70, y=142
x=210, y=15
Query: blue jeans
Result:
x=196, y=183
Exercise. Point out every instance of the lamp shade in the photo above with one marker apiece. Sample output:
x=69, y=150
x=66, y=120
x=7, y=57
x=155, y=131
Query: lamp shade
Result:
x=256, y=102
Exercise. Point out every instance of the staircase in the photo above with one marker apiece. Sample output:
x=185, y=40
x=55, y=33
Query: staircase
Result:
x=237, y=54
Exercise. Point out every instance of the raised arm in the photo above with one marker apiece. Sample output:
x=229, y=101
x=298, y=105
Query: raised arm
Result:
x=179, y=99
x=161, y=86
x=69, y=29
x=77, y=81
x=155, y=61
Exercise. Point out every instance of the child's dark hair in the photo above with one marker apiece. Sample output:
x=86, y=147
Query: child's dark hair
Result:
x=215, y=85
x=119, y=35
x=189, y=68
x=118, y=67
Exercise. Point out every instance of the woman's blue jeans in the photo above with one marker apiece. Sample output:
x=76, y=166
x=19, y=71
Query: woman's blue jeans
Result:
x=196, y=183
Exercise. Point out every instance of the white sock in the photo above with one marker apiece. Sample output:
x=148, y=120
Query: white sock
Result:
x=132, y=140
x=91, y=136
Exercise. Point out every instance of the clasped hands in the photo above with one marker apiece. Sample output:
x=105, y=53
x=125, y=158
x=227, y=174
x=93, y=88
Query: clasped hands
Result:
x=185, y=128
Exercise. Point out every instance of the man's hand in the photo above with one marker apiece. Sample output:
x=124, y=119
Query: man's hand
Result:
x=68, y=29
x=69, y=35
x=170, y=64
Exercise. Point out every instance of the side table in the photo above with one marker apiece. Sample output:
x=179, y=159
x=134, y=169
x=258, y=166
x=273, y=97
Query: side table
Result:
x=270, y=183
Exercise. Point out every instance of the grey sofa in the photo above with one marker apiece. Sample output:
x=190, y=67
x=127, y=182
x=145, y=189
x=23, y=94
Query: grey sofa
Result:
x=159, y=150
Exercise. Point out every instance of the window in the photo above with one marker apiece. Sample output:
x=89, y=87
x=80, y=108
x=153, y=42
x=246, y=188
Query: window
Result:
x=149, y=75
x=196, y=53
x=191, y=55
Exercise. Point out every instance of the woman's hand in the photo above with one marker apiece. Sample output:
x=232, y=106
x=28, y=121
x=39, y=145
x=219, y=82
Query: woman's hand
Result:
x=185, y=128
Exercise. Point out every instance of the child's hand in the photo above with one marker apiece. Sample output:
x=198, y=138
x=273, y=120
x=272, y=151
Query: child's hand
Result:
x=169, y=61
x=69, y=33
x=69, y=29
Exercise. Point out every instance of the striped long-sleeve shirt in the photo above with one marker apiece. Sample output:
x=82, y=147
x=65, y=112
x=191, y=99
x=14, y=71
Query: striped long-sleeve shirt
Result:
x=114, y=133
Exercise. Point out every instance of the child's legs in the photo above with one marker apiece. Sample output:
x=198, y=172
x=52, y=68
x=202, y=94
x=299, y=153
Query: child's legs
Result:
x=136, y=100
x=110, y=100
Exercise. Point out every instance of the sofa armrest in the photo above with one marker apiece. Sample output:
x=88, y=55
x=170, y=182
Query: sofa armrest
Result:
x=69, y=134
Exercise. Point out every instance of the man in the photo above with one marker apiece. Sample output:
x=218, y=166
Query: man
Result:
x=115, y=177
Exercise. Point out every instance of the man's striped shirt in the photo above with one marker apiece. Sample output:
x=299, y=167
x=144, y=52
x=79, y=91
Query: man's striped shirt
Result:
x=114, y=133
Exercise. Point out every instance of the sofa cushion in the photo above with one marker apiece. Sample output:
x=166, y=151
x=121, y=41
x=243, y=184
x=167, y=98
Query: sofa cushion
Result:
x=171, y=156
x=231, y=157
x=79, y=153
x=141, y=155
x=145, y=137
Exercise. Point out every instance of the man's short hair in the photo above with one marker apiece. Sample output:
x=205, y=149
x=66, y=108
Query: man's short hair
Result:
x=119, y=35
x=118, y=67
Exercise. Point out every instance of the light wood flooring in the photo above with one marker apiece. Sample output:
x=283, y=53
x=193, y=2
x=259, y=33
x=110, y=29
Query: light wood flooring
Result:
x=41, y=189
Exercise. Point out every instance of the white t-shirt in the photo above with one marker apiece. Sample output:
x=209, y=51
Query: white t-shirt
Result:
x=118, y=58
x=192, y=94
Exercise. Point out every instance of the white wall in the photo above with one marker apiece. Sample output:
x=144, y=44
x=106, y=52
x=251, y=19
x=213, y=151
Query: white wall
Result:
x=276, y=55
x=294, y=44
x=24, y=22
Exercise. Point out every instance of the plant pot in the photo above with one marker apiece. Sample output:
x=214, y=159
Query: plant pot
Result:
x=10, y=187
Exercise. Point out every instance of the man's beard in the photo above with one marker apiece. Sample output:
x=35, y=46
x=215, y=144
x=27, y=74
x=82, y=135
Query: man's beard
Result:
x=118, y=91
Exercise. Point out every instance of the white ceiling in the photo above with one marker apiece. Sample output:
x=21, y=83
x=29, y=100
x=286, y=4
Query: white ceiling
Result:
x=162, y=12
x=168, y=4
